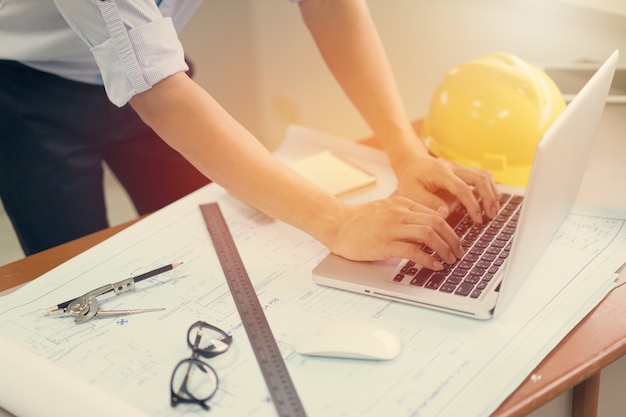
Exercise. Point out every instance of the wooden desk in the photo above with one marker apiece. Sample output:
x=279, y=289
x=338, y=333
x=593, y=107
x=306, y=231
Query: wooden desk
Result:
x=576, y=362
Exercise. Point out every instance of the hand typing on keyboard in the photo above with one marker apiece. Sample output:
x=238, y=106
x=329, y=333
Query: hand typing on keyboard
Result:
x=425, y=179
x=395, y=227
x=486, y=245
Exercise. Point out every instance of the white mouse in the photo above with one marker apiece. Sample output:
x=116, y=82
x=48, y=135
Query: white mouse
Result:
x=355, y=339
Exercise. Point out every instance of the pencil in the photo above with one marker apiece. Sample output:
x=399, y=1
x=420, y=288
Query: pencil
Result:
x=157, y=271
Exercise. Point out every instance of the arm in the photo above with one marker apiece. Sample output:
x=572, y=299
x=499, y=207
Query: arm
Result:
x=347, y=39
x=145, y=70
x=190, y=121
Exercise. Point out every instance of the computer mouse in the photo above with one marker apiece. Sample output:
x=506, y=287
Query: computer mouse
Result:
x=354, y=339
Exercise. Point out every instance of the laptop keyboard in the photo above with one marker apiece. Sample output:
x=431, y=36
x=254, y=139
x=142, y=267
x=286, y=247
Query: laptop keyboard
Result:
x=486, y=246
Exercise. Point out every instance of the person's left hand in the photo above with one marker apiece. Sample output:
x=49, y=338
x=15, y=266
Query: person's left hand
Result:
x=421, y=177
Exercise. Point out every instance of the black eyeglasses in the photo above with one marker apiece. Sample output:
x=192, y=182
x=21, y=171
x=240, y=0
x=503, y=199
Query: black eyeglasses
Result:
x=193, y=380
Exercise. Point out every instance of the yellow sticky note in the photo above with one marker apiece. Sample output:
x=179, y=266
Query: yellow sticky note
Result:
x=333, y=173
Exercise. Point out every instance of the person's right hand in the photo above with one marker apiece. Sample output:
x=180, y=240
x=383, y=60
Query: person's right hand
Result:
x=394, y=227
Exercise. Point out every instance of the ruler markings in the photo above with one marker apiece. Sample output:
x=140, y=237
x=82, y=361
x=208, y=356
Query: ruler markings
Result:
x=269, y=358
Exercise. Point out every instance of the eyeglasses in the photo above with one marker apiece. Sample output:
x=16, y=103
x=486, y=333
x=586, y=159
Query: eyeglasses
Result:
x=193, y=380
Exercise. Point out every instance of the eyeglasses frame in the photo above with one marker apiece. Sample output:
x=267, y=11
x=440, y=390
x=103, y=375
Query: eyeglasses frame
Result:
x=227, y=339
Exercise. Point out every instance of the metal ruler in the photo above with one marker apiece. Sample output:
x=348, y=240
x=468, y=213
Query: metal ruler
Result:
x=255, y=323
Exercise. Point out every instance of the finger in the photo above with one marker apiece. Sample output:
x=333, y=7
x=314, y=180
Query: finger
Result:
x=414, y=252
x=436, y=230
x=452, y=182
x=465, y=194
x=431, y=204
x=435, y=233
x=485, y=187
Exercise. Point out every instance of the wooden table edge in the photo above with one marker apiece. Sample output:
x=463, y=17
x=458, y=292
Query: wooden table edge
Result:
x=27, y=269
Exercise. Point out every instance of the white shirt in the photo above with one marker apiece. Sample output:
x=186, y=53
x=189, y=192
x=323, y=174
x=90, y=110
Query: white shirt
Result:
x=129, y=45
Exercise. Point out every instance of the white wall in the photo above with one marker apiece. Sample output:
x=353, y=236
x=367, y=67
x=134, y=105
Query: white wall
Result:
x=257, y=58
x=221, y=42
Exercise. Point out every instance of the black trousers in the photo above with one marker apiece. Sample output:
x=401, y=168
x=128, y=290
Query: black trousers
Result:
x=54, y=136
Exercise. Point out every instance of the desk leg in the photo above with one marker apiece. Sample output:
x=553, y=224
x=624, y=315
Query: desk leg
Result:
x=586, y=395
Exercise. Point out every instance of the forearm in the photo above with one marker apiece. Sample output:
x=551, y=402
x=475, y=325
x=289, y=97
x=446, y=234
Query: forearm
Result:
x=348, y=41
x=194, y=124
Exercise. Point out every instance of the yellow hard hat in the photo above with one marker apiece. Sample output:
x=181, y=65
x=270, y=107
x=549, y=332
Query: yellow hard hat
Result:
x=490, y=113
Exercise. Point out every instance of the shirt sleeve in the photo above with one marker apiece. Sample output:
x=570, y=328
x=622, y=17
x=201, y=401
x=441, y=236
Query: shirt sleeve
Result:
x=134, y=46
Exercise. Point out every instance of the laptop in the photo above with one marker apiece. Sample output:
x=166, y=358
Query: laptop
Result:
x=498, y=255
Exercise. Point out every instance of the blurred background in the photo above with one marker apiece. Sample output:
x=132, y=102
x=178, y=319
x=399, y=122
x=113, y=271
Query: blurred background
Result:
x=258, y=60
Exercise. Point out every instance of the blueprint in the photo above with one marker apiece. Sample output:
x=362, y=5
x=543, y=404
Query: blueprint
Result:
x=123, y=364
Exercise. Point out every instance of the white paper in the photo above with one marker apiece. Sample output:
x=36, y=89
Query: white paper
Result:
x=44, y=386
x=444, y=368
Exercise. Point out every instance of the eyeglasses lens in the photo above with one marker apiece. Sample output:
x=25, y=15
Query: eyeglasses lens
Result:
x=207, y=341
x=194, y=380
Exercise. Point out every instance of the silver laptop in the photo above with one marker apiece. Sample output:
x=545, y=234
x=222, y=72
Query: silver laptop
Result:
x=500, y=253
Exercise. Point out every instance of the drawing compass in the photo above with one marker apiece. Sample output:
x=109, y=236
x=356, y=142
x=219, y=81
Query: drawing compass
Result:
x=87, y=306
